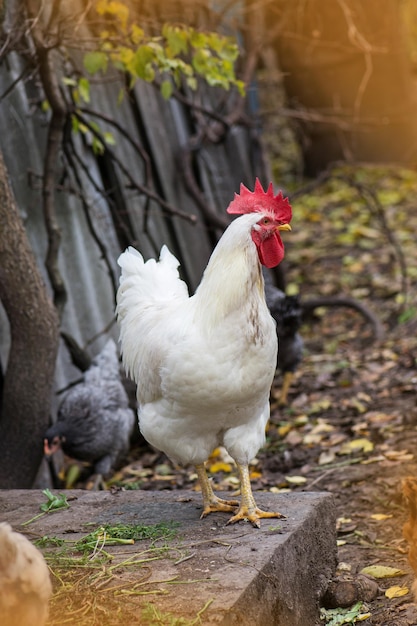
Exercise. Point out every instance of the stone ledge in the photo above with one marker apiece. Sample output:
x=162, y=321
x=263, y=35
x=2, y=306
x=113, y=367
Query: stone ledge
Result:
x=268, y=577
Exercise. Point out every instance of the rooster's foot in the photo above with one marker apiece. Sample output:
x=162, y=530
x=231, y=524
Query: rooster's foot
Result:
x=218, y=504
x=253, y=515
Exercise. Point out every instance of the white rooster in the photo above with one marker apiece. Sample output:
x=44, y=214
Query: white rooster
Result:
x=204, y=364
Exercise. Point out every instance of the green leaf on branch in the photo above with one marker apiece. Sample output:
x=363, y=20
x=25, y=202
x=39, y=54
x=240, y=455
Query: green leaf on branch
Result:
x=176, y=38
x=84, y=89
x=179, y=51
x=95, y=62
x=166, y=89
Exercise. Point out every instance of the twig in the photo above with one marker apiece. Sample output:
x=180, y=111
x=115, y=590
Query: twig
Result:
x=149, y=193
x=185, y=558
x=308, y=306
x=319, y=478
x=137, y=147
x=90, y=223
x=123, y=227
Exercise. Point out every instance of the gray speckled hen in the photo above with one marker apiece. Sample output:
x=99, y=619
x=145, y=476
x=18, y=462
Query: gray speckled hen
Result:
x=94, y=419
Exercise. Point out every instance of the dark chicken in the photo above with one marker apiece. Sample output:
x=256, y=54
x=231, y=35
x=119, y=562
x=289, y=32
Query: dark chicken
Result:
x=290, y=312
x=287, y=313
x=94, y=419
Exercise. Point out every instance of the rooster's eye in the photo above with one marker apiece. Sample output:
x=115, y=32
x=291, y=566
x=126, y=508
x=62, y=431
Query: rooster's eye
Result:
x=266, y=220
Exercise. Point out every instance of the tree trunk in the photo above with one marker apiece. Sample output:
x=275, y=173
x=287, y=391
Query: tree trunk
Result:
x=348, y=77
x=34, y=331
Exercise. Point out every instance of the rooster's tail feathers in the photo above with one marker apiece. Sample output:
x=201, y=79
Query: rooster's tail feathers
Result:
x=147, y=296
x=152, y=281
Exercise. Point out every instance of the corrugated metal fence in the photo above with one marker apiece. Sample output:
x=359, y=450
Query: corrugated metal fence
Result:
x=163, y=130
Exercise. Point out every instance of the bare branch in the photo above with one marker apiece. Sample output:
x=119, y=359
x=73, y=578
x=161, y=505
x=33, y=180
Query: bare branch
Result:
x=89, y=220
x=149, y=193
x=139, y=149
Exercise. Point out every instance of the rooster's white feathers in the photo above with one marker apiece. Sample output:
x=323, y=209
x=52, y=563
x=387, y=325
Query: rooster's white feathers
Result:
x=203, y=364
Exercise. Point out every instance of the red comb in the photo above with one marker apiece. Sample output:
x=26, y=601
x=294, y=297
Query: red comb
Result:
x=260, y=200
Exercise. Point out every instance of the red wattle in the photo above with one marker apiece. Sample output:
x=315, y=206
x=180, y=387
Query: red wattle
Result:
x=271, y=251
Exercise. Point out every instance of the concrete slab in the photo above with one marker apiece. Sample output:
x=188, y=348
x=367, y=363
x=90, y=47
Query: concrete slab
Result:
x=268, y=577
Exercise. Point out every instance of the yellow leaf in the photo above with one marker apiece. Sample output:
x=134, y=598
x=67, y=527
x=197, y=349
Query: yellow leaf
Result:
x=322, y=427
x=396, y=591
x=279, y=490
x=320, y=405
x=380, y=516
x=292, y=289
x=220, y=467
x=312, y=439
x=216, y=453
x=356, y=445
x=296, y=480
x=343, y=520
x=126, y=55
x=382, y=571
x=300, y=420
x=284, y=429
x=254, y=475
x=362, y=617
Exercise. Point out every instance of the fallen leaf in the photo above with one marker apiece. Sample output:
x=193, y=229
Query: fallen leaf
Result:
x=284, y=429
x=354, y=445
x=300, y=420
x=312, y=440
x=321, y=405
x=293, y=438
x=398, y=455
x=382, y=571
x=339, y=616
x=322, y=427
x=396, y=591
x=344, y=567
x=373, y=459
x=326, y=457
x=296, y=480
x=220, y=467
x=377, y=417
x=279, y=490
x=358, y=405
x=380, y=516
x=343, y=520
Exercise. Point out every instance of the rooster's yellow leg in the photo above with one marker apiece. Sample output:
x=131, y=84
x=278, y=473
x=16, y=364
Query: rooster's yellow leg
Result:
x=248, y=509
x=211, y=502
x=286, y=384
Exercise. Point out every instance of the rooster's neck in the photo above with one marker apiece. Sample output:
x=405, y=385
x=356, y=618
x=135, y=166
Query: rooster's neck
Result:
x=232, y=282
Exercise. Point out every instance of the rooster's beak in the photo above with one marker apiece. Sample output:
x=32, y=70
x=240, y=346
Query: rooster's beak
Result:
x=284, y=227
